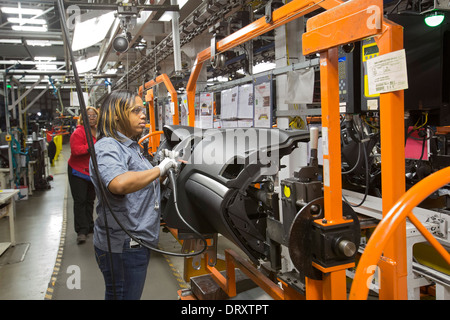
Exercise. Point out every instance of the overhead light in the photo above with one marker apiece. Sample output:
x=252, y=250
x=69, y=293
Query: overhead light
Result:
x=434, y=18
x=218, y=79
x=30, y=28
x=87, y=65
x=166, y=16
x=44, y=58
x=121, y=43
x=27, y=21
x=24, y=11
x=46, y=67
x=44, y=43
x=10, y=41
x=83, y=36
x=263, y=66
x=111, y=71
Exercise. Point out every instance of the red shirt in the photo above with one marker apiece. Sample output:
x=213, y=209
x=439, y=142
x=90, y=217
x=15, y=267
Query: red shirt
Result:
x=79, y=157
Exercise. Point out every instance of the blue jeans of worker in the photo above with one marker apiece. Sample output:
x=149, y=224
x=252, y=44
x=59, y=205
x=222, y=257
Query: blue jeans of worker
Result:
x=130, y=271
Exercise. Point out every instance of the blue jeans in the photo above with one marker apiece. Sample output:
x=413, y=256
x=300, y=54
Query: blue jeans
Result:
x=130, y=271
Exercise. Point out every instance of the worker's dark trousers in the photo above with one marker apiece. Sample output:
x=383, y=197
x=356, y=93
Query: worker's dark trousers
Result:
x=83, y=194
x=125, y=278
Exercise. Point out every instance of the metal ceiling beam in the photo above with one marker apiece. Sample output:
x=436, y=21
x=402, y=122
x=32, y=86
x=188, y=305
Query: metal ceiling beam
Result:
x=15, y=103
x=36, y=73
x=27, y=49
x=50, y=2
x=50, y=35
x=29, y=62
x=113, y=7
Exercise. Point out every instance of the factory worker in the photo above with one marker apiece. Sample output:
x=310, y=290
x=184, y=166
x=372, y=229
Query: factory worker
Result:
x=132, y=193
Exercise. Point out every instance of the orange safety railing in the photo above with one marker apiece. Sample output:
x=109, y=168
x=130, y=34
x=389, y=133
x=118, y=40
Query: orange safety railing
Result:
x=154, y=140
x=390, y=223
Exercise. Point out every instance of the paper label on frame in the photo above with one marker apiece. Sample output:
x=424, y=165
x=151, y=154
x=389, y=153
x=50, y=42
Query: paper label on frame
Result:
x=387, y=73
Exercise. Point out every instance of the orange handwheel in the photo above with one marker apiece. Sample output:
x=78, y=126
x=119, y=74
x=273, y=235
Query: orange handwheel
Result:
x=400, y=211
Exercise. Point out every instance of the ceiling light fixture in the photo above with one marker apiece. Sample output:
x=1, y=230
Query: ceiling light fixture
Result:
x=44, y=58
x=121, y=43
x=24, y=11
x=30, y=28
x=44, y=43
x=10, y=41
x=83, y=36
x=87, y=65
x=27, y=21
x=46, y=67
x=434, y=18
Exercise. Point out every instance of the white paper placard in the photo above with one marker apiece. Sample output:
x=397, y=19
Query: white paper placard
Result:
x=229, y=103
x=262, y=116
x=387, y=73
x=206, y=110
x=245, y=107
x=184, y=111
x=74, y=102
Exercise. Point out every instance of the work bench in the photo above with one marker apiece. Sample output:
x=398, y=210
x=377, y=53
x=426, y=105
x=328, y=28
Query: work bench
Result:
x=8, y=208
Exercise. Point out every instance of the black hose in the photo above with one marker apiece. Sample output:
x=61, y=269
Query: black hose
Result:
x=87, y=129
x=366, y=192
x=357, y=161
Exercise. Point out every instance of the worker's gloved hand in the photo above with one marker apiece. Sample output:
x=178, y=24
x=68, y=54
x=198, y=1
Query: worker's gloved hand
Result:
x=165, y=165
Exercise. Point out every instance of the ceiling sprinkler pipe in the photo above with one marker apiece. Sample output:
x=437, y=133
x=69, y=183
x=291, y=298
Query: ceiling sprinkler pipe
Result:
x=176, y=38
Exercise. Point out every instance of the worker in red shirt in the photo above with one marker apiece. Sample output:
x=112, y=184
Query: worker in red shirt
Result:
x=82, y=189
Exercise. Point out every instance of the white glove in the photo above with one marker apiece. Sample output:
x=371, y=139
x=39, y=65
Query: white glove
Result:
x=165, y=165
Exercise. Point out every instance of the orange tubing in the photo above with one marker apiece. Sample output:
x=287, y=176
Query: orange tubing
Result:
x=151, y=134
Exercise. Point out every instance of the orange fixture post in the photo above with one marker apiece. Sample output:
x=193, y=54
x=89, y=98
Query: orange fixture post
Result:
x=393, y=281
x=280, y=16
x=173, y=93
x=153, y=136
x=149, y=98
x=350, y=22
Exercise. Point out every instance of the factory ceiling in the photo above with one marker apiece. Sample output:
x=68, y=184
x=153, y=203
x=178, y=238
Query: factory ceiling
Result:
x=33, y=51
x=32, y=44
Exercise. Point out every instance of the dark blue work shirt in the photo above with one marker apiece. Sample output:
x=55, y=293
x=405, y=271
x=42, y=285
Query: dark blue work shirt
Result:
x=136, y=211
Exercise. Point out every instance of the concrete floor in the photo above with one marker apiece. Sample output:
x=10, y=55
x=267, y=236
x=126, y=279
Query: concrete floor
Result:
x=48, y=271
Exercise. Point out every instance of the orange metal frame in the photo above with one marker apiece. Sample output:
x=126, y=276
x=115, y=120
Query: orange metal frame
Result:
x=228, y=283
x=163, y=78
x=342, y=23
x=324, y=33
x=154, y=136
